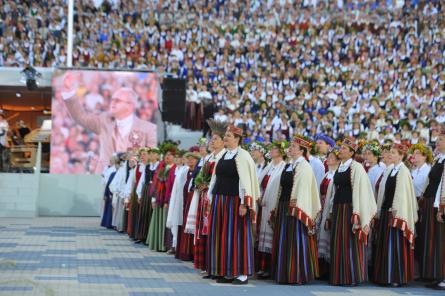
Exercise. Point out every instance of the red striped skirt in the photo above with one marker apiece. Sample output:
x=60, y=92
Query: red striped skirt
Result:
x=200, y=237
x=230, y=240
x=394, y=257
x=294, y=252
x=433, y=263
x=184, y=247
x=349, y=265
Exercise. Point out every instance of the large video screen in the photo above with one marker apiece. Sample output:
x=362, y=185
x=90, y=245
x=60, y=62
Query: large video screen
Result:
x=96, y=114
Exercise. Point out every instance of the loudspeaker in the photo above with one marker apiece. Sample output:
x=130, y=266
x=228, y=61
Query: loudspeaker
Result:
x=173, y=100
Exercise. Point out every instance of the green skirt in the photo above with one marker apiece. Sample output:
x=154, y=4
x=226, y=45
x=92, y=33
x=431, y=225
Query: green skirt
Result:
x=156, y=231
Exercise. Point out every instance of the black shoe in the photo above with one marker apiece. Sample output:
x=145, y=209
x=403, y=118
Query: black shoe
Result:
x=224, y=280
x=137, y=241
x=207, y=277
x=264, y=276
x=239, y=282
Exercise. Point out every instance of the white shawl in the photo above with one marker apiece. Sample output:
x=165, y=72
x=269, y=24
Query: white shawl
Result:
x=324, y=236
x=305, y=194
x=364, y=207
x=248, y=180
x=175, y=207
x=404, y=206
x=268, y=202
x=190, y=226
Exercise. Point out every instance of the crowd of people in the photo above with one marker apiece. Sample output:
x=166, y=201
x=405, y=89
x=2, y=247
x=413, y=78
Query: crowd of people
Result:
x=347, y=212
x=368, y=69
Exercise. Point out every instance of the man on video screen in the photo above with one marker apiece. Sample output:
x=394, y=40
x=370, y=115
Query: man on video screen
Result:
x=118, y=129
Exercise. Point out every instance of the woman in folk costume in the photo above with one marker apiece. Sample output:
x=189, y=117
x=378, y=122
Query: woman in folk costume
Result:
x=234, y=189
x=143, y=193
x=190, y=225
x=294, y=251
x=117, y=187
x=433, y=215
x=161, y=188
x=176, y=204
x=133, y=213
x=324, y=144
x=202, y=182
x=352, y=209
x=397, y=215
x=421, y=157
x=371, y=162
x=269, y=185
x=323, y=234
x=126, y=190
x=258, y=151
x=107, y=215
x=185, y=246
x=371, y=155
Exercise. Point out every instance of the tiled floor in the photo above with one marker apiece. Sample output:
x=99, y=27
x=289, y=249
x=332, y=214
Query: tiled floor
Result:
x=74, y=256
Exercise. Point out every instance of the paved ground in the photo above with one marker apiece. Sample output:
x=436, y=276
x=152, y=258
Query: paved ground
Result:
x=74, y=256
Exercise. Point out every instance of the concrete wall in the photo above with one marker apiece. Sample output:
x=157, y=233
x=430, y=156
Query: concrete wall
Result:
x=24, y=195
x=70, y=195
x=18, y=195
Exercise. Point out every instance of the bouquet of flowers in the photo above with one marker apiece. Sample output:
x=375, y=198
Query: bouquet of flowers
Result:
x=204, y=175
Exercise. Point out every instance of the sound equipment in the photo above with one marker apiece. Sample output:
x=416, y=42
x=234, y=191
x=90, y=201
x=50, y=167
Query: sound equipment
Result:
x=173, y=100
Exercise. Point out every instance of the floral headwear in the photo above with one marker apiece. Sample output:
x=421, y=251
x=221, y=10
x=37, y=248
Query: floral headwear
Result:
x=202, y=142
x=281, y=145
x=334, y=150
x=169, y=146
x=155, y=150
x=144, y=149
x=373, y=147
x=424, y=150
x=258, y=146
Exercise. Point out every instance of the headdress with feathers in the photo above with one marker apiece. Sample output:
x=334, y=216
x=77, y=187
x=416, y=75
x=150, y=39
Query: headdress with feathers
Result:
x=218, y=127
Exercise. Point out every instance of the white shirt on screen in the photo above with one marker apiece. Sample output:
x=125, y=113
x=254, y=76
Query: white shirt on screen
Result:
x=124, y=125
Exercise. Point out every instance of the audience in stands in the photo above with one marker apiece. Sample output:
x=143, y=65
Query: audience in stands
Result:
x=368, y=69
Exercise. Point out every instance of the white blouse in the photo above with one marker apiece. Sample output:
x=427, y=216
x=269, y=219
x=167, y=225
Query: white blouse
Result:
x=420, y=177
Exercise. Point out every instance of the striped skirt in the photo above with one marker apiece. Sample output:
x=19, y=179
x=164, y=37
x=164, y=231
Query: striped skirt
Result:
x=433, y=265
x=349, y=264
x=394, y=257
x=230, y=240
x=144, y=214
x=200, y=237
x=184, y=247
x=156, y=231
x=294, y=252
x=133, y=213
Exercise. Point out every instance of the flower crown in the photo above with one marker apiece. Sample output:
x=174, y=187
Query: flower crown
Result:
x=373, y=147
x=258, y=146
x=424, y=150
